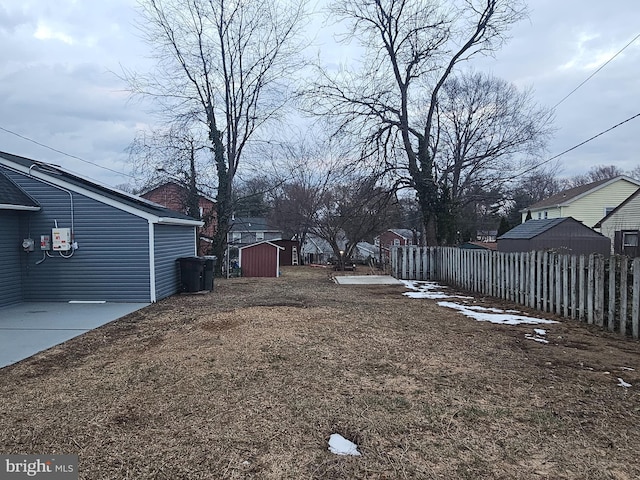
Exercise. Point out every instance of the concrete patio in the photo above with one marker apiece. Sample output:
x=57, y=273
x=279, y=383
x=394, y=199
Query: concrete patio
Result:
x=29, y=328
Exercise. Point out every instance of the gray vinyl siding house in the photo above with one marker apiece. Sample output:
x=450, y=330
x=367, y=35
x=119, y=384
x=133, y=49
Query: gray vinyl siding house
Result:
x=127, y=246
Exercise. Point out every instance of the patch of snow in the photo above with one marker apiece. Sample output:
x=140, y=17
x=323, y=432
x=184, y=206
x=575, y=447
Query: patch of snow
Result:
x=432, y=295
x=433, y=291
x=623, y=383
x=540, y=331
x=429, y=290
x=628, y=369
x=341, y=446
x=500, y=318
x=534, y=338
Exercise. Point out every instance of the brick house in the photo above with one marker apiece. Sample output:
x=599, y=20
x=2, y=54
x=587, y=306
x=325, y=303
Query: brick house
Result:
x=393, y=237
x=174, y=196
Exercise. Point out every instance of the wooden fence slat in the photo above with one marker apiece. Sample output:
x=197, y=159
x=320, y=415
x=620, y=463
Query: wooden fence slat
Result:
x=635, y=305
x=574, y=291
x=581, y=288
x=611, y=311
x=598, y=290
x=590, y=283
x=558, y=280
x=532, y=279
x=565, y=285
x=624, y=302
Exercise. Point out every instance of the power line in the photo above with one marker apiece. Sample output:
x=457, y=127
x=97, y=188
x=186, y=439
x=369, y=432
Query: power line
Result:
x=64, y=153
x=577, y=146
x=594, y=73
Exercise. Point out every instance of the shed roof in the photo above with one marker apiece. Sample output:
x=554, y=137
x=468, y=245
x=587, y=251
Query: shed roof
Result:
x=12, y=197
x=533, y=228
x=56, y=173
x=260, y=243
x=572, y=194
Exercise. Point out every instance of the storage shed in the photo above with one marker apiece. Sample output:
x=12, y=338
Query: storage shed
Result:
x=565, y=235
x=260, y=259
x=66, y=238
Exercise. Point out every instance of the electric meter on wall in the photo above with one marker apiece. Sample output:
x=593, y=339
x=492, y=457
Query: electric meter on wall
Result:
x=61, y=239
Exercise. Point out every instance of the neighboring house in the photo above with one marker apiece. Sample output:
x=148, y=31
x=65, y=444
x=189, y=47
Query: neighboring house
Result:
x=564, y=235
x=365, y=251
x=486, y=236
x=127, y=247
x=260, y=259
x=397, y=237
x=249, y=230
x=316, y=250
x=175, y=197
x=622, y=227
x=587, y=203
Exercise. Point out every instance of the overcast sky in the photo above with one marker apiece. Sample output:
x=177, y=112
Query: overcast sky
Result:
x=58, y=86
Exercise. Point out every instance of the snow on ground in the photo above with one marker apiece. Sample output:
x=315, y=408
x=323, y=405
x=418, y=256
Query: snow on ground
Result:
x=623, y=383
x=341, y=446
x=434, y=291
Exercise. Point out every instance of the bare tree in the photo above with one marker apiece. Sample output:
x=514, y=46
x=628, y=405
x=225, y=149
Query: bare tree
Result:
x=226, y=64
x=595, y=174
x=485, y=126
x=352, y=211
x=412, y=49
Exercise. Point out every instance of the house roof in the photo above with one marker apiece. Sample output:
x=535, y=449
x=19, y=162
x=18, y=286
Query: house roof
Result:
x=612, y=212
x=55, y=174
x=533, y=228
x=251, y=224
x=403, y=232
x=12, y=197
x=572, y=194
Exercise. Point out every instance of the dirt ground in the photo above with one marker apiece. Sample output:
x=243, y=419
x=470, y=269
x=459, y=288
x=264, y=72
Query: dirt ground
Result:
x=249, y=381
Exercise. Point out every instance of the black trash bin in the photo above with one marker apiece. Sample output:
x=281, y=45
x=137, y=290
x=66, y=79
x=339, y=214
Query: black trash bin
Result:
x=191, y=274
x=209, y=269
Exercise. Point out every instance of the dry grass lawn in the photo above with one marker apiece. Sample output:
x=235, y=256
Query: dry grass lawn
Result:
x=249, y=382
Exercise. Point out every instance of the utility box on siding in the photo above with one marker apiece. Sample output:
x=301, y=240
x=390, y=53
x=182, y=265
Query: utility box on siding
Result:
x=260, y=259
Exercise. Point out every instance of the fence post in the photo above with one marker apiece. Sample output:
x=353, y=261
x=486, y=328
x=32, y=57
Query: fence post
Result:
x=532, y=279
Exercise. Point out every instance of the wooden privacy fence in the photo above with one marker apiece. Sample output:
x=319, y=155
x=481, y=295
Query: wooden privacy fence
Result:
x=604, y=291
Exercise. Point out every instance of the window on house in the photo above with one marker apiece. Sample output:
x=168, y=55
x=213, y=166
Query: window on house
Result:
x=236, y=236
x=608, y=210
x=376, y=241
x=539, y=215
x=630, y=239
x=396, y=241
x=546, y=214
x=259, y=236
